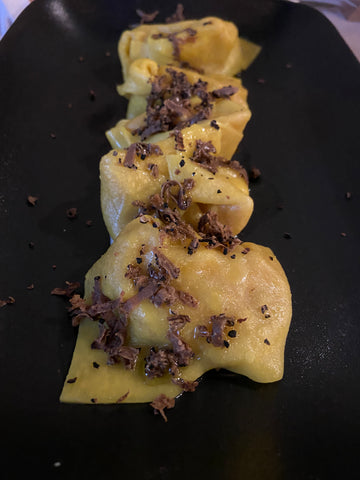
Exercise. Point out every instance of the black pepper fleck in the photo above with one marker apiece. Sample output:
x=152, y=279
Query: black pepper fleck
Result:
x=264, y=308
x=232, y=333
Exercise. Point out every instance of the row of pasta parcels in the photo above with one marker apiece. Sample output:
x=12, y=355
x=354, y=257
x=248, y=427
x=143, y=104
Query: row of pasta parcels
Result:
x=188, y=296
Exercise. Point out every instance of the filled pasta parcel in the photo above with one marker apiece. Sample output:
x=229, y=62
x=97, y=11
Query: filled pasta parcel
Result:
x=191, y=163
x=209, y=45
x=163, y=100
x=163, y=307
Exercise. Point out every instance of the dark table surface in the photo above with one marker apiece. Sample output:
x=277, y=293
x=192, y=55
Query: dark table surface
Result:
x=304, y=137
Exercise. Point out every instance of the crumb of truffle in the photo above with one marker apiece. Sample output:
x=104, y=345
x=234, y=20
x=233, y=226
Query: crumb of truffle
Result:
x=122, y=398
x=68, y=291
x=32, y=200
x=160, y=403
x=254, y=173
x=9, y=301
x=146, y=17
x=178, y=16
x=72, y=212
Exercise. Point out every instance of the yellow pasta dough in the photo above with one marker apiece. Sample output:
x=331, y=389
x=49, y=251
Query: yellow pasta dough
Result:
x=210, y=45
x=225, y=191
x=143, y=71
x=231, y=112
x=247, y=287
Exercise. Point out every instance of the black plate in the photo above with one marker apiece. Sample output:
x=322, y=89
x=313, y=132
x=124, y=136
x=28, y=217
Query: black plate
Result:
x=304, y=137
